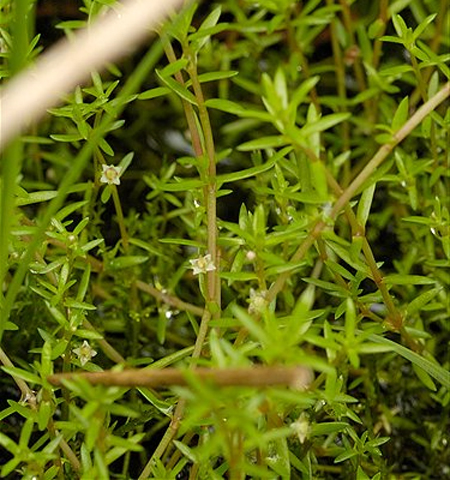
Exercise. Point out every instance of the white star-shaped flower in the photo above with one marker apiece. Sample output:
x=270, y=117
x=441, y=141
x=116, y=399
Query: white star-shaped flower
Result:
x=202, y=264
x=111, y=174
x=84, y=353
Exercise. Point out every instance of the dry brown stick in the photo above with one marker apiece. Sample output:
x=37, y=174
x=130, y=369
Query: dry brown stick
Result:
x=297, y=377
x=27, y=97
x=358, y=182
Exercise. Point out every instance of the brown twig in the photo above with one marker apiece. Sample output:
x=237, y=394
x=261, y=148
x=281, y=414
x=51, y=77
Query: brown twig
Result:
x=358, y=182
x=297, y=377
x=110, y=38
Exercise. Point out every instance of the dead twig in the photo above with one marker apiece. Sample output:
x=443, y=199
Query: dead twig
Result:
x=296, y=377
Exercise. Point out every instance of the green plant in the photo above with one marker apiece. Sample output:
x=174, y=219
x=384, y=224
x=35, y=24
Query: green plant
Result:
x=260, y=200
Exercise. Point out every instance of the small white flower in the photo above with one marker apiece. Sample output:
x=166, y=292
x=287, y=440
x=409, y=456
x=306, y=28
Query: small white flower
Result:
x=202, y=264
x=111, y=174
x=84, y=353
x=30, y=398
x=302, y=427
x=257, y=301
x=250, y=255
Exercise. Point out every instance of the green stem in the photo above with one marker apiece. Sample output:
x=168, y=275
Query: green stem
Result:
x=212, y=279
x=383, y=18
x=211, y=188
x=120, y=218
x=359, y=72
x=421, y=85
x=339, y=69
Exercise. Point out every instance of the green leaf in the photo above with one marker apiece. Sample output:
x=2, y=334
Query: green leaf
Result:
x=46, y=360
x=186, y=451
x=92, y=244
x=263, y=143
x=433, y=369
x=8, y=444
x=88, y=334
x=67, y=137
x=58, y=315
x=350, y=319
x=398, y=279
x=212, y=19
x=69, y=302
x=36, y=197
x=400, y=26
x=206, y=29
x=106, y=147
x=153, y=93
x=199, y=39
x=424, y=378
x=177, y=88
x=326, y=428
x=252, y=172
x=126, y=161
x=126, y=262
x=324, y=123
x=16, y=372
x=423, y=25
x=182, y=241
x=250, y=324
x=165, y=407
x=401, y=115
x=364, y=205
x=279, y=462
x=344, y=252
x=10, y=326
x=214, y=76
x=319, y=179
x=182, y=185
x=181, y=24
x=225, y=106
x=174, y=67
x=376, y=28
x=391, y=39
x=238, y=276
x=44, y=414
x=145, y=246
x=106, y=193
x=280, y=87
x=345, y=456
x=69, y=209
x=300, y=95
x=71, y=24
x=419, y=302
x=236, y=109
x=361, y=475
x=10, y=466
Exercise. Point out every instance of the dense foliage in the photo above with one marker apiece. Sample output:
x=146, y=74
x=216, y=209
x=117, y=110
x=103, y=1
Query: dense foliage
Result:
x=257, y=186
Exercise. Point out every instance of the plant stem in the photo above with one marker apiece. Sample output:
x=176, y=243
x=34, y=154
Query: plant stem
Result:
x=169, y=299
x=373, y=164
x=120, y=219
x=211, y=189
x=297, y=377
x=386, y=149
x=68, y=63
x=383, y=18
